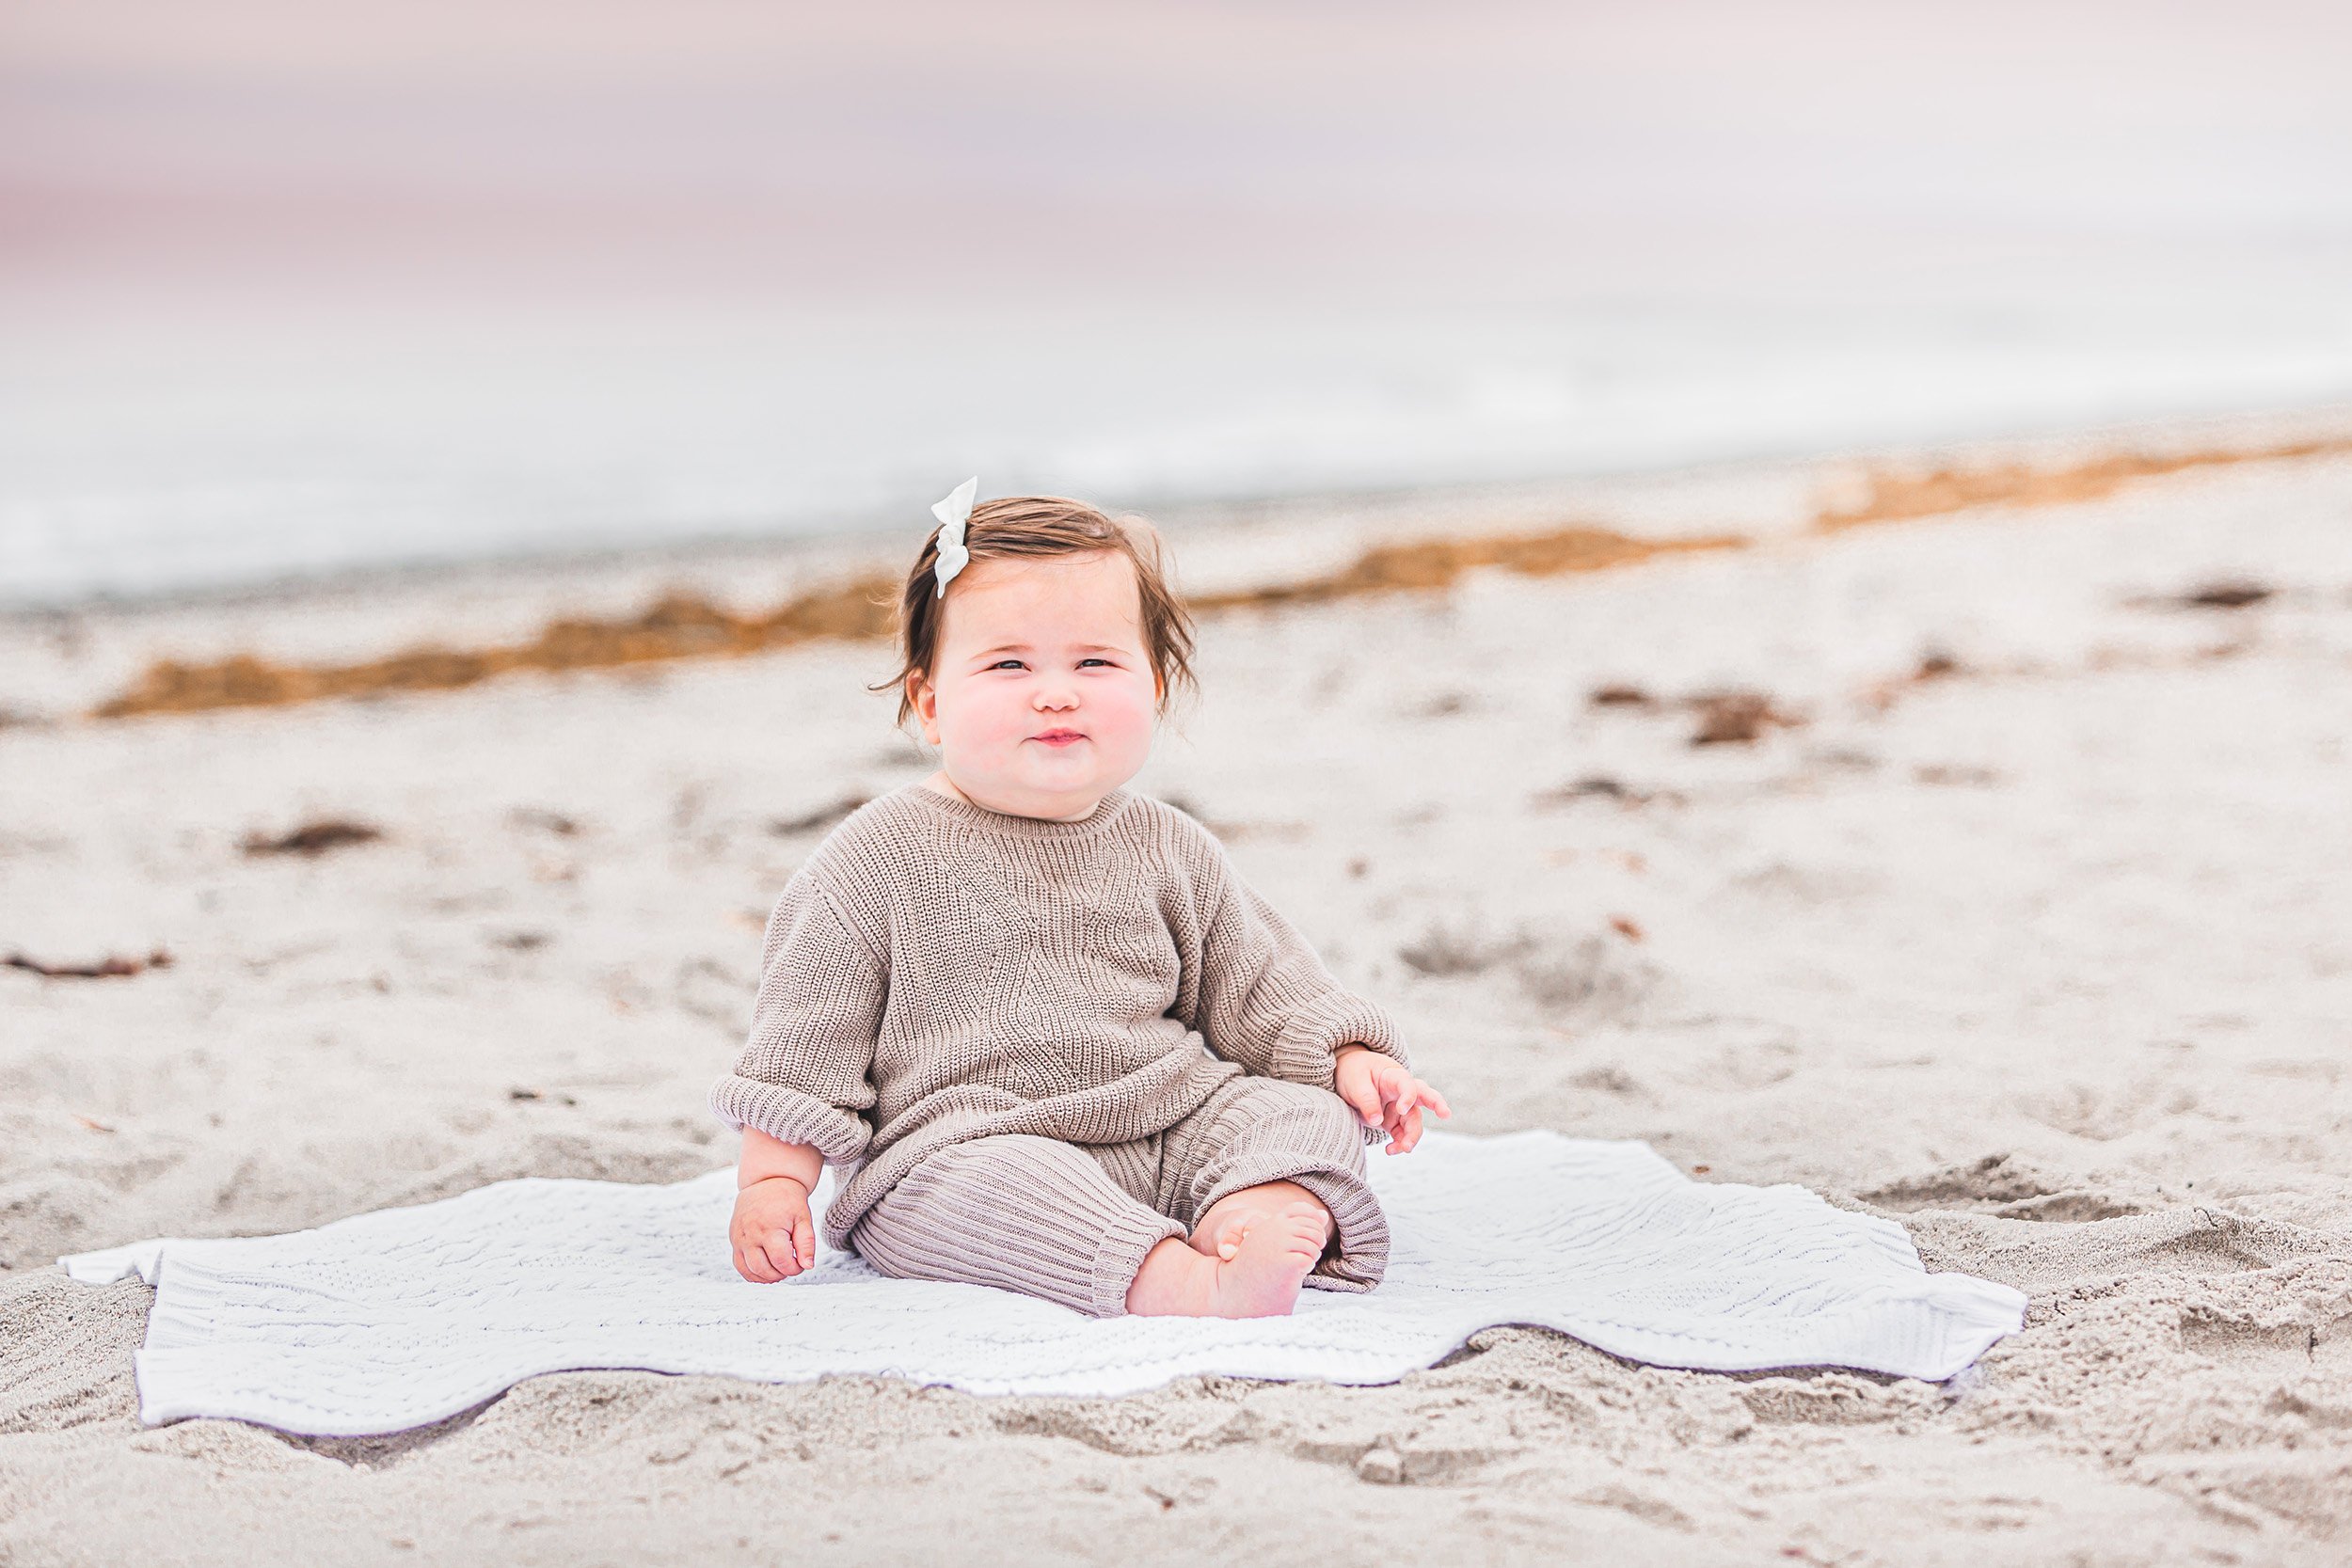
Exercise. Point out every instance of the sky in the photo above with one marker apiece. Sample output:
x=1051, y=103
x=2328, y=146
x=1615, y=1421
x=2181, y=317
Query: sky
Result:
x=849, y=150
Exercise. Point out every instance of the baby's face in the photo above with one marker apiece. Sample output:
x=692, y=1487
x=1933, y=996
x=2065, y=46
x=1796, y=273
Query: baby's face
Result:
x=1041, y=696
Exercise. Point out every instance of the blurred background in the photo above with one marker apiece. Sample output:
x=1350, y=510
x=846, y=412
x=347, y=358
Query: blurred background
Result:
x=291, y=288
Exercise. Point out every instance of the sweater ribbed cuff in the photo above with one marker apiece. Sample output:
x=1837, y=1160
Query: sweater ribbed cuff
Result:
x=1127, y=1238
x=1308, y=1049
x=790, y=1116
x=1358, y=1255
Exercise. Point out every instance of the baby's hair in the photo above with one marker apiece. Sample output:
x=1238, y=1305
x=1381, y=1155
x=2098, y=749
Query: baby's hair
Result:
x=1037, y=527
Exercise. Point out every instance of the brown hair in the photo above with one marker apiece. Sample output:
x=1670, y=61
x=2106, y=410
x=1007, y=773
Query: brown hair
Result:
x=1035, y=528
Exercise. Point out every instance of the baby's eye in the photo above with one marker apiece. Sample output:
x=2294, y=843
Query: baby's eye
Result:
x=1094, y=661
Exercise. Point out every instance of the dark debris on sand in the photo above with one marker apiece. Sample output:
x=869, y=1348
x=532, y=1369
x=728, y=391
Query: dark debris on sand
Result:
x=1728, y=717
x=314, y=838
x=2227, y=593
x=1593, y=786
x=2215, y=594
x=1735, y=718
x=112, y=967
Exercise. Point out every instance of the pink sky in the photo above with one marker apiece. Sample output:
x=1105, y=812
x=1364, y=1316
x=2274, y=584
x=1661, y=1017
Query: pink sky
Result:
x=819, y=146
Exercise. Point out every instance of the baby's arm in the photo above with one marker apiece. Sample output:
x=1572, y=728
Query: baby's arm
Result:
x=1263, y=998
x=800, y=1089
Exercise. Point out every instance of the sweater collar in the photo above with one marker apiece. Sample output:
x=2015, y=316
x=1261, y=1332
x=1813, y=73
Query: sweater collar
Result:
x=1012, y=826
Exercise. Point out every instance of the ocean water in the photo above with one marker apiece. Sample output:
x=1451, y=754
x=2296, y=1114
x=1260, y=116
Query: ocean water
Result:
x=175, y=451
x=289, y=291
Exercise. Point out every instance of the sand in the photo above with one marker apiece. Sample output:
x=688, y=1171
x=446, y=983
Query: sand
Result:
x=2019, y=917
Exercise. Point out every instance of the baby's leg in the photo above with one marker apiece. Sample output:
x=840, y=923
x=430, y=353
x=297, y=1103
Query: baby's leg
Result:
x=1258, y=1276
x=1023, y=1214
x=1263, y=1145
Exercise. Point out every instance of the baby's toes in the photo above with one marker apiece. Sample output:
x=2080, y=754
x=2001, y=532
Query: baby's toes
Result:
x=1304, y=1229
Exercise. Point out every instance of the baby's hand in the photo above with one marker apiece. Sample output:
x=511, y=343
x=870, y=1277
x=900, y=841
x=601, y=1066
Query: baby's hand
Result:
x=774, y=1238
x=1385, y=1095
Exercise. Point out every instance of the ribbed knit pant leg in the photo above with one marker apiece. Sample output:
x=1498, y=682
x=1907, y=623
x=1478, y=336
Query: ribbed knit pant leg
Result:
x=1019, y=1213
x=1254, y=1129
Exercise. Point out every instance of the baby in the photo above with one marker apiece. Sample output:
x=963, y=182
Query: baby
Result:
x=1046, y=1033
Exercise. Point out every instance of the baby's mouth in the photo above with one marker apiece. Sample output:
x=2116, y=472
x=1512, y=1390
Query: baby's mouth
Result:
x=1058, y=738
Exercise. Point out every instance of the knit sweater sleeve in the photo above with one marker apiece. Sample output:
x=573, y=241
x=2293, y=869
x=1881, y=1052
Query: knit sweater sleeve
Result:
x=1264, y=999
x=804, y=1074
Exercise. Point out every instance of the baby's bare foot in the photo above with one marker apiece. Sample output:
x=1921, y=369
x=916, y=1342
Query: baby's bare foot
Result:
x=1219, y=1231
x=1222, y=1235
x=1260, y=1267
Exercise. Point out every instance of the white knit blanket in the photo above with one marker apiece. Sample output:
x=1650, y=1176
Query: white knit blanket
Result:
x=393, y=1318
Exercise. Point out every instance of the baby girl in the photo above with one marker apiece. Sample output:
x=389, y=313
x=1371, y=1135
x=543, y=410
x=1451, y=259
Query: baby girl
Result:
x=1048, y=1036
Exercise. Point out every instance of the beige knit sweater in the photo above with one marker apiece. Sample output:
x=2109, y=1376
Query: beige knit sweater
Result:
x=937, y=971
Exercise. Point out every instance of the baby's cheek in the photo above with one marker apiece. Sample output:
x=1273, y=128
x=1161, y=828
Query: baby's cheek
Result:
x=988, y=721
x=1008, y=724
x=1130, y=710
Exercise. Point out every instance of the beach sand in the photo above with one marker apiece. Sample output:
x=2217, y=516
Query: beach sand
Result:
x=2005, y=895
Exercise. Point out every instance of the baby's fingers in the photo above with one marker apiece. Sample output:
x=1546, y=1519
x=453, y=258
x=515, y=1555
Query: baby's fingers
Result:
x=1435, y=1101
x=1406, y=1133
x=780, y=1246
x=805, y=1240
x=1365, y=1101
x=1405, y=1116
x=752, y=1265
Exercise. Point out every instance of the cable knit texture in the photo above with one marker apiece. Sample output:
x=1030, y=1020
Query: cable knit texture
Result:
x=937, y=972
x=385, y=1320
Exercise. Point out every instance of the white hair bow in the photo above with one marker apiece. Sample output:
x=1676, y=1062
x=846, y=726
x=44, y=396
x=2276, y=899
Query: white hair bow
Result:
x=951, y=513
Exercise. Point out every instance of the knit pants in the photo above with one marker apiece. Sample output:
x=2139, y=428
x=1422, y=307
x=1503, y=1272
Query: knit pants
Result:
x=1072, y=1222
